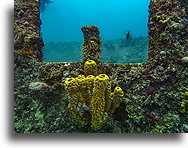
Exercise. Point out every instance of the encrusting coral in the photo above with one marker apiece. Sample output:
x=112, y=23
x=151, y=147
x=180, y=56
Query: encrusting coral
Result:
x=156, y=98
x=92, y=43
x=90, y=97
x=27, y=38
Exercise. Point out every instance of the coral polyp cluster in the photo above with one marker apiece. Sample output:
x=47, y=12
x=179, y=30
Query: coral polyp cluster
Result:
x=90, y=97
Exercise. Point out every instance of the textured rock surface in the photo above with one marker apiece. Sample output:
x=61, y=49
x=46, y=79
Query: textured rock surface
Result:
x=27, y=39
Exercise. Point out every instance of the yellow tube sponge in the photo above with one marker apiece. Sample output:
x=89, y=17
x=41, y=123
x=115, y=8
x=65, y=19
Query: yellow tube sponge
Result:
x=82, y=88
x=89, y=88
x=90, y=82
x=108, y=97
x=98, y=101
x=77, y=98
x=116, y=99
x=74, y=94
x=90, y=68
x=72, y=85
x=91, y=97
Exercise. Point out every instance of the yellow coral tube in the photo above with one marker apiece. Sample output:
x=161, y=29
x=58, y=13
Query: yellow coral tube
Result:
x=90, y=68
x=98, y=102
x=116, y=99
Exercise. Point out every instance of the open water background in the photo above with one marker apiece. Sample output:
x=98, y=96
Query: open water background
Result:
x=62, y=21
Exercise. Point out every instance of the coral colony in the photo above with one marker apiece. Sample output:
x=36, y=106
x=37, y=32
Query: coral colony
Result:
x=91, y=96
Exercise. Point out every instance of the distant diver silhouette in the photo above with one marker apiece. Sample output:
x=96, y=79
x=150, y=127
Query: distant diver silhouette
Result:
x=44, y=4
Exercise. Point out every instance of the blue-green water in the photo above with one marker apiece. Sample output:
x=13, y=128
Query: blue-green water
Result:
x=62, y=21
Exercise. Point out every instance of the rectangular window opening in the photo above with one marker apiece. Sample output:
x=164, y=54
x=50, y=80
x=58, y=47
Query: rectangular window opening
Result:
x=123, y=29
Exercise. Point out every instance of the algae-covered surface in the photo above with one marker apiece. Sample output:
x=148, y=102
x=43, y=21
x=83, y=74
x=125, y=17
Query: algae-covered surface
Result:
x=41, y=100
x=95, y=94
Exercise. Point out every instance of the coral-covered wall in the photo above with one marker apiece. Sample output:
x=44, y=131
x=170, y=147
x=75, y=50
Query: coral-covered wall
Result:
x=27, y=38
x=155, y=93
x=167, y=28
